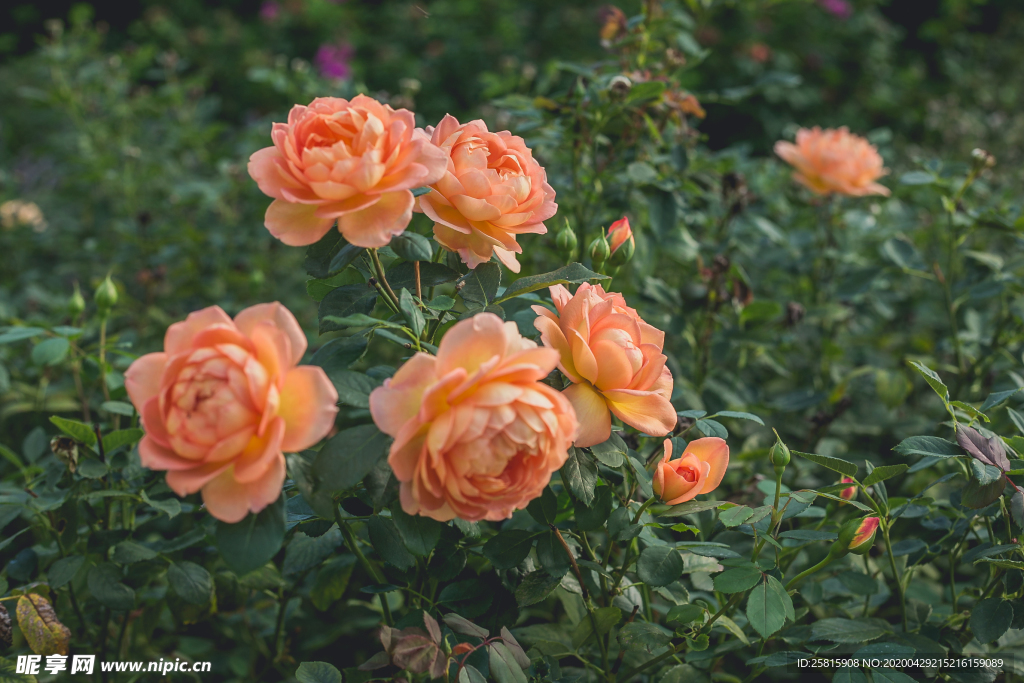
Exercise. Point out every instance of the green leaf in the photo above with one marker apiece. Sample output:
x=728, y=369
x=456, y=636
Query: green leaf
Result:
x=503, y=664
x=787, y=602
x=419, y=533
x=990, y=618
x=339, y=353
x=574, y=273
x=544, y=508
x=890, y=676
x=14, y=334
x=884, y=472
x=917, y=178
x=317, y=672
x=353, y=387
x=659, y=565
x=857, y=583
x=349, y=456
x=130, y=552
x=431, y=274
x=412, y=246
x=508, y=548
x=976, y=495
x=998, y=398
x=321, y=255
x=849, y=630
x=306, y=552
x=737, y=580
x=848, y=674
x=766, y=611
x=928, y=445
x=808, y=535
x=122, y=437
x=592, y=517
x=536, y=586
x=735, y=516
x=984, y=474
x=411, y=312
x=50, y=351
x=663, y=212
x=610, y=452
x=712, y=428
x=252, y=543
x=388, y=543
x=691, y=507
x=79, y=431
x=190, y=582
x=741, y=416
x=579, y=474
x=345, y=301
x=480, y=285
x=63, y=570
x=441, y=302
x=835, y=464
x=118, y=408
x=105, y=585
x=169, y=506
x=684, y=614
x=933, y=379
x=643, y=636
x=331, y=581
x=605, y=618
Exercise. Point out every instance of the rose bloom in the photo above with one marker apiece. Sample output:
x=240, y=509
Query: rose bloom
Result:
x=619, y=233
x=351, y=162
x=698, y=470
x=477, y=434
x=614, y=360
x=223, y=400
x=492, y=191
x=834, y=161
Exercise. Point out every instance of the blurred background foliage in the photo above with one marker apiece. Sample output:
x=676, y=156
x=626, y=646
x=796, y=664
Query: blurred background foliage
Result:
x=124, y=138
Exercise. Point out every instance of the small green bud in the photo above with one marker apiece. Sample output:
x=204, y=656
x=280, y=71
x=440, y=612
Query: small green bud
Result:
x=106, y=295
x=76, y=302
x=779, y=455
x=599, y=251
x=566, y=241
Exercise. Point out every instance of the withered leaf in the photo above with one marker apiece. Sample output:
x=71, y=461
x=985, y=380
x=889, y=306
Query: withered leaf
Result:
x=66, y=450
x=43, y=630
x=989, y=451
x=6, y=636
x=414, y=650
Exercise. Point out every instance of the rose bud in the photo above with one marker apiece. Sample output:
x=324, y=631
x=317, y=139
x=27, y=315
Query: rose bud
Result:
x=864, y=537
x=848, y=493
x=620, y=238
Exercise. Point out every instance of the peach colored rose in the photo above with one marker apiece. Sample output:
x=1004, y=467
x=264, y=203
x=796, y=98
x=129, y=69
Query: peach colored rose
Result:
x=493, y=190
x=477, y=434
x=698, y=470
x=223, y=400
x=351, y=162
x=614, y=360
x=828, y=161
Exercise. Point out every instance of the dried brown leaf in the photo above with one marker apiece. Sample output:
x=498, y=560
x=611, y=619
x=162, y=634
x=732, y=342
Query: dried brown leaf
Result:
x=45, y=634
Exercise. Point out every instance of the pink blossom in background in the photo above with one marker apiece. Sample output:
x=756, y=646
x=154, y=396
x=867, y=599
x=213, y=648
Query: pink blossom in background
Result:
x=837, y=8
x=269, y=10
x=333, y=60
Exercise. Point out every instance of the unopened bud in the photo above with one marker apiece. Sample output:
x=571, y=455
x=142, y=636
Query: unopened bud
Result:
x=566, y=241
x=599, y=251
x=779, y=455
x=106, y=296
x=76, y=302
x=620, y=86
x=983, y=158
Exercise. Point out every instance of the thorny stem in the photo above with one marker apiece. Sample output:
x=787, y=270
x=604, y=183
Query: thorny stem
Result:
x=586, y=596
x=895, y=573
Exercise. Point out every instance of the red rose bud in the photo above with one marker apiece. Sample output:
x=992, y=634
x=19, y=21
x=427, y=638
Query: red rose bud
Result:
x=620, y=239
x=850, y=493
x=865, y=536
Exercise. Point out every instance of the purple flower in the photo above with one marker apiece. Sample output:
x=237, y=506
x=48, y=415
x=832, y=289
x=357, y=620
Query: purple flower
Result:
x=333, y=60
x=837, y=8
x=269, y=10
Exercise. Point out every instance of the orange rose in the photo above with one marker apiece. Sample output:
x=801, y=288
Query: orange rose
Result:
x=614, y=360
x=223, y=400
x=493, y=190
x=354, y=162
x=698, y=470
x=477, y=434
x=828, y=161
